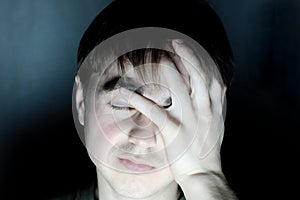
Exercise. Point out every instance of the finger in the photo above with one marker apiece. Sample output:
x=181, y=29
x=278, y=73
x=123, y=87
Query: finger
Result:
x=153, y=112
x=181, y=69
x=198, y=79
x=212, y=137
x=215, y=132
x=182, y=107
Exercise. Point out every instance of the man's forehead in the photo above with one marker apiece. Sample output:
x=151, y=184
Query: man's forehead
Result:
x=113, y=70
x=131, y=71
x=131, y=78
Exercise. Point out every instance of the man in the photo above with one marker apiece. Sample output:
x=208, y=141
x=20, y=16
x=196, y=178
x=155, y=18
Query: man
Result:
x=149, y=100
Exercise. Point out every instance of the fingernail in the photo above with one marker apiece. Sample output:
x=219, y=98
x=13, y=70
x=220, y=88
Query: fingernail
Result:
x=179, y=41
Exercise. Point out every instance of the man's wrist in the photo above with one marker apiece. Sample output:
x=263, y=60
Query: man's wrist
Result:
x=206, y=186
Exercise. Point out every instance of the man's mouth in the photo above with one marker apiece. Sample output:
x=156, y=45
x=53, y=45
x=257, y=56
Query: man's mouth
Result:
x=136, y=165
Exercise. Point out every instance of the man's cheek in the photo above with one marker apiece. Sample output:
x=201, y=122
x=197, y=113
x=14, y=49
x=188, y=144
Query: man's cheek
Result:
x=113, y=130
x=101, y=138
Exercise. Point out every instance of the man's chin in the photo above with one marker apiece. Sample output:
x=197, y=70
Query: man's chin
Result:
x=135, y=188
x=133, y=185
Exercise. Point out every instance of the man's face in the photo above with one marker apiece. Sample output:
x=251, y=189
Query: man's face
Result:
x=126, y=147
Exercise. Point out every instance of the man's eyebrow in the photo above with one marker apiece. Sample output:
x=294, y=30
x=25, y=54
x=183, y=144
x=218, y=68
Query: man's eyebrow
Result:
x=121, y=82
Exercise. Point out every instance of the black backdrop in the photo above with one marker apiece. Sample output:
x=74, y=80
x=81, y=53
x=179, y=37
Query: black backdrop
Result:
x=41, y=154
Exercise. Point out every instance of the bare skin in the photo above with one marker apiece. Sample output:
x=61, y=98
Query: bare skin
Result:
x=193, y=156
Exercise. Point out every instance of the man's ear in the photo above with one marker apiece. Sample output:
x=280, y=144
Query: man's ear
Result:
x=224, y=89
x=224, y=102
x=79, y=100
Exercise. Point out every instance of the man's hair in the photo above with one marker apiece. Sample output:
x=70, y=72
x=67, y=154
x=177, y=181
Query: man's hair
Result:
x=193, y=18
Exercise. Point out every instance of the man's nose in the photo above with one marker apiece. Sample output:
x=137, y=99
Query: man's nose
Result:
x=143, y=133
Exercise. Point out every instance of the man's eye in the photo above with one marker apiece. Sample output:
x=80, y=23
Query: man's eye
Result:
x=121, y=107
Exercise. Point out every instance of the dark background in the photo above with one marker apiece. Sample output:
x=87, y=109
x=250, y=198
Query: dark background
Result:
x=41, y=154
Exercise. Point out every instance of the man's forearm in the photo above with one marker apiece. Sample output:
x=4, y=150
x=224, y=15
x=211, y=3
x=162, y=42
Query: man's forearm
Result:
x=206, y=186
